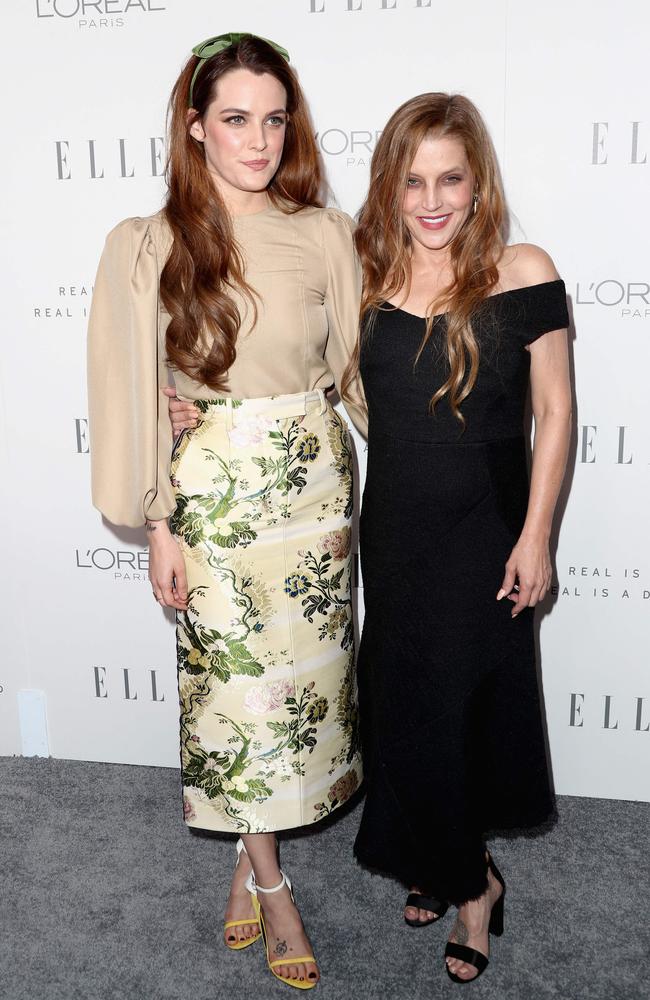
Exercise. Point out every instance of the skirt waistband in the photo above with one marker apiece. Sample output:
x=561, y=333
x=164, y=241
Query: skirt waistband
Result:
x=233, y=411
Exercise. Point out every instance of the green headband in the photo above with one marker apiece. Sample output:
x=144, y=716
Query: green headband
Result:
x=212, y=46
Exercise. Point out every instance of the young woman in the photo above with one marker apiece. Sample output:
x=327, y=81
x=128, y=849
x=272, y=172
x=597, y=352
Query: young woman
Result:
x=248, y=290
x=454, y=545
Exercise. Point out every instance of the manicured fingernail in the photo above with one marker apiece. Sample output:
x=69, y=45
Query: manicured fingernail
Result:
x=501, y=594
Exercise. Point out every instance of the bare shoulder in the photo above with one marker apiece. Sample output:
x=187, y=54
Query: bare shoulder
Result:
x=525, y=264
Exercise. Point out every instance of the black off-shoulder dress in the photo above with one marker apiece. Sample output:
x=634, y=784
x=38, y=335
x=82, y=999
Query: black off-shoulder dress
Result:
x=450, y=705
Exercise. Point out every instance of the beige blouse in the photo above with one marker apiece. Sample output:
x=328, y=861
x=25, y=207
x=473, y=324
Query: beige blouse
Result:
x=305, y=271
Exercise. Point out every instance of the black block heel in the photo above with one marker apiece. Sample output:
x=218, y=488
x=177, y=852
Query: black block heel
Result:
x=469, y=955
x=422, y=902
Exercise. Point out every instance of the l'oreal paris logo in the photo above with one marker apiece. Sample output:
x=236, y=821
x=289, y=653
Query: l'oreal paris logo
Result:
x=336, y=141
x=123, y=564
x=98, y=8
x=631, y=298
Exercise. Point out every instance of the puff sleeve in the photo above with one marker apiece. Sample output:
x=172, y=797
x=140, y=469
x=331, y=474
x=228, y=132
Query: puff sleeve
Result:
x=129, y=426
x=342, y=301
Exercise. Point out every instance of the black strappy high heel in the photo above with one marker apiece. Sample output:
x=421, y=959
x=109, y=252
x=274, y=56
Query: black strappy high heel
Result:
x=422, y=902
x=470, y=955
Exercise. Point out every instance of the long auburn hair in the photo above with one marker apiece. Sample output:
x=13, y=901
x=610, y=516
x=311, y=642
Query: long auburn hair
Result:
x=384, y=242
x=204, y=261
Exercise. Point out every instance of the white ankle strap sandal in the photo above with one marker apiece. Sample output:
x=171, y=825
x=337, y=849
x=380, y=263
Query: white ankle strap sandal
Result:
x=276, y=888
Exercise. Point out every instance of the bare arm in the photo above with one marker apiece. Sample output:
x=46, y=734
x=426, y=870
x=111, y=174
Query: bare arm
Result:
x=530, y=562
x=551, y=400
x=166, y=566
x=529, y=565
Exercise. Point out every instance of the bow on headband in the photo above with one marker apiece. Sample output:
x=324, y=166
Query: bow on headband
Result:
x=212, y=46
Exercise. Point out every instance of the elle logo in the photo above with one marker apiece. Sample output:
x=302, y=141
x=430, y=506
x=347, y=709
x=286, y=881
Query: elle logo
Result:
x=95, y=165
x=130, y=692
x=634, y=151
x=587, y=446
x=609, y=714
x=350, y=6
x=81, y=435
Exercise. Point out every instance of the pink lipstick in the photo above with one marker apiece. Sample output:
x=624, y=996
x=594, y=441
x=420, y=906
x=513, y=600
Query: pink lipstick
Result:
x=256, y=164
x=434, y=222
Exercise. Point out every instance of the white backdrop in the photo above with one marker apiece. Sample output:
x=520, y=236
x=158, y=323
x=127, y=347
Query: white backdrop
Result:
x=88, y=671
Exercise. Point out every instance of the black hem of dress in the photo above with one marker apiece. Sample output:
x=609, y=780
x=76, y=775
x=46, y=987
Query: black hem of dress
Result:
x=509, y=828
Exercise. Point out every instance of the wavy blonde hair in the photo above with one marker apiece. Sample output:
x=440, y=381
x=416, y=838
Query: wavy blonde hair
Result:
x=205, y=262
x=383, y=240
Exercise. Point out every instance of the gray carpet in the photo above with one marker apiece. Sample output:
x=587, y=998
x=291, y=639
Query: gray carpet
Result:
x=105, y=895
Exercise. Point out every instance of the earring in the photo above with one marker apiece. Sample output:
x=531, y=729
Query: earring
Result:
x=475, y=203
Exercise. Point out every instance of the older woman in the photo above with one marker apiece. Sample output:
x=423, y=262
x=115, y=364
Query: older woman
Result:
x=454, y=545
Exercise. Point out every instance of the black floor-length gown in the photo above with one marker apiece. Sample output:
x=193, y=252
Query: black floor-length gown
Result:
x=453, y=729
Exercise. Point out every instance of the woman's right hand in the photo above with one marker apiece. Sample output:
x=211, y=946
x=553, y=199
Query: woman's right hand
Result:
x=182, y=414
x=166, y=567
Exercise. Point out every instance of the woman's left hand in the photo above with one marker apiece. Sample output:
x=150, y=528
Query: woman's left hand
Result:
x=182, y=413
x=528, y=574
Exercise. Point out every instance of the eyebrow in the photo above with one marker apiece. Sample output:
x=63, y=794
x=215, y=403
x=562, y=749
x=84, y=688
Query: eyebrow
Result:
x=450, y=170
x=242, y=111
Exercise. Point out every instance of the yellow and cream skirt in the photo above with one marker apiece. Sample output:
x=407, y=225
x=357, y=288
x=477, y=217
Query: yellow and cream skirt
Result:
x=268, y=723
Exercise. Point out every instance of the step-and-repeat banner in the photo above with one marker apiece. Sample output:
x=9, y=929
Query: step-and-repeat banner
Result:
x=88, y=668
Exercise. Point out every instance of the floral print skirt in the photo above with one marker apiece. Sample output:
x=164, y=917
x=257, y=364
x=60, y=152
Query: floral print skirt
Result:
x=268, y=723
